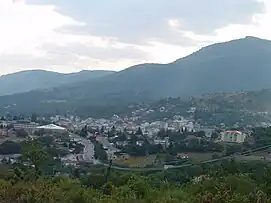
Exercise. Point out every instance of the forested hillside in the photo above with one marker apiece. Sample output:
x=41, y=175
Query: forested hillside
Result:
x=238, y=65
x=25, y=81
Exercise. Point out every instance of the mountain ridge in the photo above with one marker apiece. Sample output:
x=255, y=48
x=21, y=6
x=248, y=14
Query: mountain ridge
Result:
x=237, y=65
x=28, y=80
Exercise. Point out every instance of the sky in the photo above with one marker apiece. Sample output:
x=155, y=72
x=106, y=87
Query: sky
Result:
x=68, y=35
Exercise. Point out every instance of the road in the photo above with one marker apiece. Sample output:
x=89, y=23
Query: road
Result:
x=88, y=157
x=88, y=151
x=88, y=154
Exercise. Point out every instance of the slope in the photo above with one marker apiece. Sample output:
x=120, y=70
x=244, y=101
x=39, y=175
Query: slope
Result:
x=25, y=81
x=232, y=66
x=236, y=65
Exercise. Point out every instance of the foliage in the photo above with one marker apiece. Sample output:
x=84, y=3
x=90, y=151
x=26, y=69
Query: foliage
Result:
x=99, y=152
x=9, y=147
x=135, y=188
x=211, y=65
x=36, y=156
x=84, y=132
x=21, y=133
x=229, y=181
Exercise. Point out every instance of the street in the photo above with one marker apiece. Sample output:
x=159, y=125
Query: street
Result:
x=88, y=154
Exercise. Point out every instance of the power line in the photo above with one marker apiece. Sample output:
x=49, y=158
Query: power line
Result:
x=183, y=165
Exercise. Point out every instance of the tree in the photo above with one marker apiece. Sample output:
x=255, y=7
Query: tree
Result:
x=45, y=141
x=99, y=152
x=102, y=130
x=139, y=131
x=215, y=156
x=214, y=135
x=162, y=133
x=35, y=155
x=10, y=126
x=21, y=117
x=40, y=132
x=112, y=132
x=201, y=134
x=34, y=118
x=9, y=147
x=84, y=131
x=21, y=133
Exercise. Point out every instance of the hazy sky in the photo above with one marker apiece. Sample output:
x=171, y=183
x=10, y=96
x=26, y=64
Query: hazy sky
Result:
x=70, y=35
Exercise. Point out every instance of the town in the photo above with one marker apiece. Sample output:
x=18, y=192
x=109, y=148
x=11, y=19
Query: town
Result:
x=126, y=141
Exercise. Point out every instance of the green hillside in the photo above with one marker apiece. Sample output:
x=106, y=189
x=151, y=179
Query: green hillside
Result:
x=238, y=65
x=25, y=81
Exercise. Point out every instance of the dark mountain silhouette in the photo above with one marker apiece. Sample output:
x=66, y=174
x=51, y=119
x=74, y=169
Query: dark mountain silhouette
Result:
x=238, y=65
x=25, y=81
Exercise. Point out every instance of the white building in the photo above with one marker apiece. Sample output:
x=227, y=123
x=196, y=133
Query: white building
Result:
x=25, y=125
x=51, y=128
x=233, y=136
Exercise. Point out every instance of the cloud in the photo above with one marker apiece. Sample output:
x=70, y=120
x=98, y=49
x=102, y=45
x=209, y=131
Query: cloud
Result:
x=68, y=35
x=138, y=21
x=27, y=31
x=26, y=25
x=112, y=52
x=74, y=57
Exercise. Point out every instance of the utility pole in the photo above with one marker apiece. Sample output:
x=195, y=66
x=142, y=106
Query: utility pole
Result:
x=108, y=171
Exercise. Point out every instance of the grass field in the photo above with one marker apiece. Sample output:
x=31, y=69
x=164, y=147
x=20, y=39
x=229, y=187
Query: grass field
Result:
x=198, y=157
x=137, y=161
x=194, y=157
x=152, y=160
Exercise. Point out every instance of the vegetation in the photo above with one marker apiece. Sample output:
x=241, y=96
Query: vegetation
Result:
x=237, y=110
x=224, y=67
x=21, y=133
x=99, y=151
x=9, y=147
x=230, y=181
x=25, y=81
x=38, y=178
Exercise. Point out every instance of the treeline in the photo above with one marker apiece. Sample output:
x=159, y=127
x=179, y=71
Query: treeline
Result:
x=36, y=178
x=229, y=181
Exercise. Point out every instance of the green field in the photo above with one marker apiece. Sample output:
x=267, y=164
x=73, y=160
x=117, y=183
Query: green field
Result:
x=137, y=161
x=158, y=160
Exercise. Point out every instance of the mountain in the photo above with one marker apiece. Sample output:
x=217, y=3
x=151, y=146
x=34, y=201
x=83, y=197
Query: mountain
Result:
x=25, y=81
x=243, y=64
x=237, y=65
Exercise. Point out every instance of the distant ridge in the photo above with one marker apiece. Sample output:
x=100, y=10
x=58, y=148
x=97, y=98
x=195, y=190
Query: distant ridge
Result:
x=237, y=65
x=29, y=80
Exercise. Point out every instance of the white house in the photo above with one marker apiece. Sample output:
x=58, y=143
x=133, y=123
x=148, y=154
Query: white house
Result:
x=233, y=136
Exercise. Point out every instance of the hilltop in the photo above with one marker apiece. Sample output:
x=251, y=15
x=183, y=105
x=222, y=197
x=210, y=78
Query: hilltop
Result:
x=25, y=81
x=237, y=65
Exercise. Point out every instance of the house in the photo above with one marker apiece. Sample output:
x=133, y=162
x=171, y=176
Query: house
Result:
x=233, y=136
x=25, y=125
x=3, y=132
x=182, y=156
x=164, y=143
x=122, y=143
x=70, y=159
x=140, y=143
x=3, y=124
